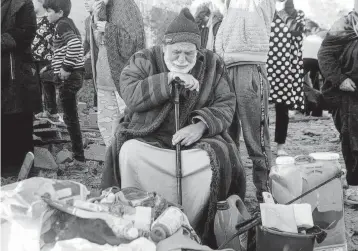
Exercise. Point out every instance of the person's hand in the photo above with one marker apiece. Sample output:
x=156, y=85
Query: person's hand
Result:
x=280, y=4
x=187, y=80
x=101, y=26
x=63, y=75
x=43, y=70
x=189, y=134
x=348, y=85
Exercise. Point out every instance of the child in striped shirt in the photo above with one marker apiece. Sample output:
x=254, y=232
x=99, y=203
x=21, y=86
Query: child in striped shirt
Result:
x=67, y=70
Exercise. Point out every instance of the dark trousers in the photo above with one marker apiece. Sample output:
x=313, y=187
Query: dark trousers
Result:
x=282, y=120
x=39, y=65
x=67, y=90
x=311, y=66
x=346, y=122
x=16, y=141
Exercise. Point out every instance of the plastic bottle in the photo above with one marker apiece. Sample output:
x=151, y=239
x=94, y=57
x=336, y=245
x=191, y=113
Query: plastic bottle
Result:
x=282, y=177
x=230, y=213
x=167, y=224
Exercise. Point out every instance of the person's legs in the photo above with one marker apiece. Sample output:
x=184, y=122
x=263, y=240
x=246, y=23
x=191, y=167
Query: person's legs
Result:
x=108, y=114
x=349, y=136
x=16, y=141
x=49, y=91
x=252, y=89
x=281, y=127
x=68, y=91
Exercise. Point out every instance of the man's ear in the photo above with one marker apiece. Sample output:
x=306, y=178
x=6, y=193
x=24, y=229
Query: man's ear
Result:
x=60, y=13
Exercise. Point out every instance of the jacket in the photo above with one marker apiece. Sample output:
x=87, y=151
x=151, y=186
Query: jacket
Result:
x=20, y=91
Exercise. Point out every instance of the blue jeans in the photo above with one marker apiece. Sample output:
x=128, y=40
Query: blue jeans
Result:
x=252, y=90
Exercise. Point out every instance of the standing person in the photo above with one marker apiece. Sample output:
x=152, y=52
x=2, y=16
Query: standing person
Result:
x=20, y=93
x=243, y=42
x=209, y=22
x=285, y=67
x=41, y=46
x=338, y=61
x=118, y=32
x=311, y=45
x=66, y=71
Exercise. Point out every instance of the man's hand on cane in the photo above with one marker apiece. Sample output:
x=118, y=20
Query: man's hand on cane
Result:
x=187, y=80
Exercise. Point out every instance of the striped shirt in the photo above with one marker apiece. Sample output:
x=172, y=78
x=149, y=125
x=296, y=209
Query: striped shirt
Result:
x=68, y=48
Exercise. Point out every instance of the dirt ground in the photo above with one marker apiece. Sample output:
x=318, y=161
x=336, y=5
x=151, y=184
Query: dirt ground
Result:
x=305, y=135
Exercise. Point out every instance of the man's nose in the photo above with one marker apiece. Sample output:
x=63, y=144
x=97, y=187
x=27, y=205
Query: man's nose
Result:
x=181, y=58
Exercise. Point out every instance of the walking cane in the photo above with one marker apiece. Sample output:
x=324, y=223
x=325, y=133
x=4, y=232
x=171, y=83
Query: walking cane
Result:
x=178, y=146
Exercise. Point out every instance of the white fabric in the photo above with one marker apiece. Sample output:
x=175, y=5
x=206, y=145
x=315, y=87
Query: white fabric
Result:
x=78, y=244
x=153, y=169
x=311, y=45
x=210, y=42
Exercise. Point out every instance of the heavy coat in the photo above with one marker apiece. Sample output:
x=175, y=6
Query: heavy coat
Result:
x=19, y=93
x=145, y=89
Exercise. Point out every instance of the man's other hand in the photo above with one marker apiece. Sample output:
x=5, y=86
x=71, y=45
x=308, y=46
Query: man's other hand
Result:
x=189, y=134
x=348, y=85
x=187, y=80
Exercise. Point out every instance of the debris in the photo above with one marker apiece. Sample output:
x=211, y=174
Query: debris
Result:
x=95, y=152
x=44, y=159
x=81, y=106
x=64, y=156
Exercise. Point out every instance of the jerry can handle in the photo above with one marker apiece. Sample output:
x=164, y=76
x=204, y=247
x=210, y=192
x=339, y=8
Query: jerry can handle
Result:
x=301, y=159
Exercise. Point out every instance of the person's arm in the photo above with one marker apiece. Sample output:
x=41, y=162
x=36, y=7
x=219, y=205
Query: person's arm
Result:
x=328, y=59
x=295, y=25
x=24, y=31
x=86, y=42
x=140, y=90
x=74, y=45
x=219, y=113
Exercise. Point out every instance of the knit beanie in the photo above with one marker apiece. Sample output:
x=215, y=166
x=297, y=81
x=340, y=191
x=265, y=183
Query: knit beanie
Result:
x=183, y=29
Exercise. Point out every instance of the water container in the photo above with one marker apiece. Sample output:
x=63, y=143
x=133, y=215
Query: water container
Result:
x=326, y=202
x=229, y=213
x=283, y=178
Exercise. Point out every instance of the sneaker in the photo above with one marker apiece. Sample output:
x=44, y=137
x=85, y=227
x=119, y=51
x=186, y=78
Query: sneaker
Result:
x=54, y=119
x=42, y=115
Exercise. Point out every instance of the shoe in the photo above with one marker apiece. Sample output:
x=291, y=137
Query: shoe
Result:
x=54, y=119
x=351, y=196
x=281, y=151
x=42, y=115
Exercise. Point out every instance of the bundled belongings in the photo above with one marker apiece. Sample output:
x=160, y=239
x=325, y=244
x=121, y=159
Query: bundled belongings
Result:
x=25, y=214
x=55, y=215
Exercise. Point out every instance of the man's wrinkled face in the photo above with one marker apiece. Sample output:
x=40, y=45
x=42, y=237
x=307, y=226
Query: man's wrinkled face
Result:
x=180, y=57
x=89, y=5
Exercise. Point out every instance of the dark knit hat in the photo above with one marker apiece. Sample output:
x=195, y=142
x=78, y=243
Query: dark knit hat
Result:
x=183, y=29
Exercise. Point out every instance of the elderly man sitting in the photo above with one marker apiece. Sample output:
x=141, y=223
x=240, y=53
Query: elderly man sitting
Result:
x=142, y=155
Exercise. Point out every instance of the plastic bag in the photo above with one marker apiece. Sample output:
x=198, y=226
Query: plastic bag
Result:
x=26, y=217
